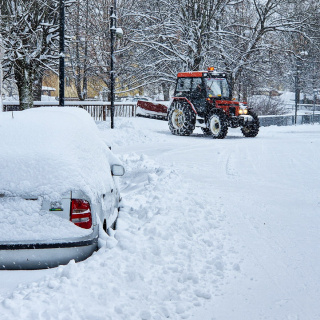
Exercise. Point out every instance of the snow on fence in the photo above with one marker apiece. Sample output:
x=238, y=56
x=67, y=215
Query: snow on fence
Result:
x=288, y=120
x=99, y=110
x=303, y=107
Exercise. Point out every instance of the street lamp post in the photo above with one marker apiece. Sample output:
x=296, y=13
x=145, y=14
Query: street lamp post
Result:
x=61, y=53
x=1, y=76
x=315, y=92
x=297, y=82
x=114, y=32
x=297, y=89
x=113, y=27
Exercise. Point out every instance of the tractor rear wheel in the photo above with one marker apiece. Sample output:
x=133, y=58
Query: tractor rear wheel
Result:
x=251, y=128
x=206, y=131
x=217, y=124
x=181, y=118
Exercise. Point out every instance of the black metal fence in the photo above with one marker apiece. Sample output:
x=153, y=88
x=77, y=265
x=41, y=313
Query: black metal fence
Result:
x=99, y=110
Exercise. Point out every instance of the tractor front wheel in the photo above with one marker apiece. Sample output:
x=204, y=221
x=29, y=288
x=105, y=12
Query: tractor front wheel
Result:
x=217, y=124
x=181, y=118
x=251, y=129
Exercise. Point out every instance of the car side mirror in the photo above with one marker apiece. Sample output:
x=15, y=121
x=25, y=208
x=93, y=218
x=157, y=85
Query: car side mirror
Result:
x=117, y=170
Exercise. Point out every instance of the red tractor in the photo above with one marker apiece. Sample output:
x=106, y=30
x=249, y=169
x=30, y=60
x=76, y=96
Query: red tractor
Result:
x=203, y=99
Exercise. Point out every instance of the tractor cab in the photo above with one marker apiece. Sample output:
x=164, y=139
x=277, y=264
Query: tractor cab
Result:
x=202, y=88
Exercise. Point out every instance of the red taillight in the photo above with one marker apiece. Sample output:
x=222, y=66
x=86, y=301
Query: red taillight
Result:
x=80, y=213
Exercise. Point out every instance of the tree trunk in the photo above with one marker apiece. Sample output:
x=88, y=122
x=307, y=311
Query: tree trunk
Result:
x=37, y=86
x=24, y=76
x=166, y=91
x=231, y=80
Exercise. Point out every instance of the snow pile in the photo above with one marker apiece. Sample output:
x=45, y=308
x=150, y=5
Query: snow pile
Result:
x=47, y=151
x=22, y=220
x=151, y=268
x=127, y=132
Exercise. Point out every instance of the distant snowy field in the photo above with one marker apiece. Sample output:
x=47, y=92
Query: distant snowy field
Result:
x=210, y=229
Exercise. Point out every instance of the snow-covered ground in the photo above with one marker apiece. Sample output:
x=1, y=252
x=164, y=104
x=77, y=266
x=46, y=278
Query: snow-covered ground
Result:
x=210, y=229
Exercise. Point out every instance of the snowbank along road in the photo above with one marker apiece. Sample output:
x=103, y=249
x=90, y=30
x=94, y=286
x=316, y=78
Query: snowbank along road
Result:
x=210, y=229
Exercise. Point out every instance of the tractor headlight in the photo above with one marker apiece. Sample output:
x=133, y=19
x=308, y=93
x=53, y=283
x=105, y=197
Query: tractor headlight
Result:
x=243, y=110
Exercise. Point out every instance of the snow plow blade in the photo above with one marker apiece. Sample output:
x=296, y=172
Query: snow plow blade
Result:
x=151, y=110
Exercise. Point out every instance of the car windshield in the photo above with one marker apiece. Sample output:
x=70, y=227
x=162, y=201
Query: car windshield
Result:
x=217, y=87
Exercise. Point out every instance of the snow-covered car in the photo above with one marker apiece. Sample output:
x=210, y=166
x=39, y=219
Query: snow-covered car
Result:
x=58, y=187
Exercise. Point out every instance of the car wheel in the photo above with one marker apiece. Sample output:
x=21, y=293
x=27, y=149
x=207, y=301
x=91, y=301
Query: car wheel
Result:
x=110, y=229
x=113, y=226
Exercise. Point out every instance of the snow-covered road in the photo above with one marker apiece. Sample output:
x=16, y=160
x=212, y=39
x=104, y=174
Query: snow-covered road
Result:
x=210, y=229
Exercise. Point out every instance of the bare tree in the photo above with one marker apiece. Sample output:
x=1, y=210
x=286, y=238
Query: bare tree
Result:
x=244, y=38
x=78, y=66
x=255, y=41
x=29, y=30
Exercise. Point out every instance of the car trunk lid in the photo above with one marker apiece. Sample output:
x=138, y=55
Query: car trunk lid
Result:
x=36, y=219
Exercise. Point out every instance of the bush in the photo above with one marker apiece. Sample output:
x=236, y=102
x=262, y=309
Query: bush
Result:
x=264, y=105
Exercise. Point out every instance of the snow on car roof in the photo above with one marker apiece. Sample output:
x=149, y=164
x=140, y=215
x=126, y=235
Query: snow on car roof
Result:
x=48, y=151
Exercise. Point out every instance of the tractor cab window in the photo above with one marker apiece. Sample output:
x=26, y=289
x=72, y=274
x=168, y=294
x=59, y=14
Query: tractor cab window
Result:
x=197, y=85
x=183, y=86
x=197, y=89
x=217, y=88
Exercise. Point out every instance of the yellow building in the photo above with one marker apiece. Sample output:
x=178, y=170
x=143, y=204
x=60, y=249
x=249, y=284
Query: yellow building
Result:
x=51, y=80
x=95, y=87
